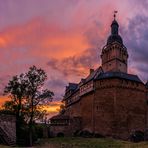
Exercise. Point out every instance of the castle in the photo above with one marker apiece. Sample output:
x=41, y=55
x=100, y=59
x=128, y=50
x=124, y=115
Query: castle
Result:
x=109, y=101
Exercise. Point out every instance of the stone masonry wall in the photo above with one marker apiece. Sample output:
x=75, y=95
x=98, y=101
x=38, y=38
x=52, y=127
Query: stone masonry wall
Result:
x=103, y=108
x=74, y=110
x=8, y=125
x=120, y=107
x=87, y=111
x=130, y=108
x=68, y=130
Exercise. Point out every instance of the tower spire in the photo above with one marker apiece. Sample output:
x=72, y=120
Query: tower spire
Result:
x=115, y=12
x=114, y=31
x=114, y=54
x=114, y=25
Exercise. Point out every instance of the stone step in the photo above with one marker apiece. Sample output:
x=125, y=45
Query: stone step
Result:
x=6, y=139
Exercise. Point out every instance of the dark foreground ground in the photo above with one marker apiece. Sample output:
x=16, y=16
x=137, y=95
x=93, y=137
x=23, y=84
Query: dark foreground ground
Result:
x=85, y=143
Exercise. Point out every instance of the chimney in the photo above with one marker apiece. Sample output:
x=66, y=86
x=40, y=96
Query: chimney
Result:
x=91, y=71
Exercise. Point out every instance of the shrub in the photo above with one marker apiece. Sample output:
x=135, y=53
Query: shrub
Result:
x=86, y=134
x=137, y=136
x=76, y=133
x=39, y=130
x=97, y=135
x=146, y=135
x=60, y=135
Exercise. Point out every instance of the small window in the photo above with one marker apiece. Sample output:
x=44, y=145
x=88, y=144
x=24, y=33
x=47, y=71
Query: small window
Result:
x=97, y=108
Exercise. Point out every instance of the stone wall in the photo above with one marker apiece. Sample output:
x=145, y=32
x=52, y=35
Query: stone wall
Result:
x=120, y=107
x=87, y=111
x=103, y=107
x=114, y=58
x=74, y=110
x=116, y=108
x=70, y=129
x=8, y=128
x=130, y=108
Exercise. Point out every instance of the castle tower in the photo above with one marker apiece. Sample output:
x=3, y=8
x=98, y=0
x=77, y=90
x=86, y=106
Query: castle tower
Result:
x=114, y=54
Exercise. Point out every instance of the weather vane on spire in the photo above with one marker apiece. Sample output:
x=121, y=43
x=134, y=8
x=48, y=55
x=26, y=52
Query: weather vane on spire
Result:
x=115, y=12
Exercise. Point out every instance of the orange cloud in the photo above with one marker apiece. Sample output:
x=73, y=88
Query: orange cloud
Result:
x=39, y=40
x=3, y=99
x=64, y=45
x=43, y=39
x=52, y=108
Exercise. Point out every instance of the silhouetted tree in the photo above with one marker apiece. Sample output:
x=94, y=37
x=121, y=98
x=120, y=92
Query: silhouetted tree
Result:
x=36, y=95
x=27, y=95
x=16, y=91
x=10, y=106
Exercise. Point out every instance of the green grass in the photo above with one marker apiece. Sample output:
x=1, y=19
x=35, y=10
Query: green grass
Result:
x=88, y=143
x=3, y=146
x=85, y=143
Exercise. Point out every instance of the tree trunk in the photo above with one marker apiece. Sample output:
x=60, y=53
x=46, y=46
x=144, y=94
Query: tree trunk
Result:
x=18, y=122
x=30, y=135
x=30, y=125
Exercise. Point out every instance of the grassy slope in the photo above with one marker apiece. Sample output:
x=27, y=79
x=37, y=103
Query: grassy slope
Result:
x=3, y=146
x=89, y=143
x=85, y=143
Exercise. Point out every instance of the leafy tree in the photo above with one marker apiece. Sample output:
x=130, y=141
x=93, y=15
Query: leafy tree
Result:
x=10, y=106
x=27, y=96
x=16, y=91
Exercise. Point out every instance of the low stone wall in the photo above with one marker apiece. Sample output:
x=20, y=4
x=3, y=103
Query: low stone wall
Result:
x=8, y=127
x=67, y=129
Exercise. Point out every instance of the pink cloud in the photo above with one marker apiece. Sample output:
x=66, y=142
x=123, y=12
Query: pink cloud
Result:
x=68, y=35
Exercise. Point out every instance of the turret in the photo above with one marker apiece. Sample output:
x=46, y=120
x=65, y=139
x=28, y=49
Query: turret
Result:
x=114, y=54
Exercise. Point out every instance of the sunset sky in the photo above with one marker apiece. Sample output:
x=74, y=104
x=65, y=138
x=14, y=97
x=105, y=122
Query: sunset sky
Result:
x=65, y=37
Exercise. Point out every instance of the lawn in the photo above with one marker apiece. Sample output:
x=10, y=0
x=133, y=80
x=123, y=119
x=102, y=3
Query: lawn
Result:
x=88, y=143
x=85, y=143
x=3, y=146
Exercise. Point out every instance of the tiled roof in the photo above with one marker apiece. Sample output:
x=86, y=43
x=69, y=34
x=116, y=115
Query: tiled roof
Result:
x=72, y=86
x=119, y=75
x=146, y=84
x=94, y=74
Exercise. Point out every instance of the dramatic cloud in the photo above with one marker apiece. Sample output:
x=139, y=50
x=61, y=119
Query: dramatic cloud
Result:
x=65, y=37
x=75, y=65
x=136, y=37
